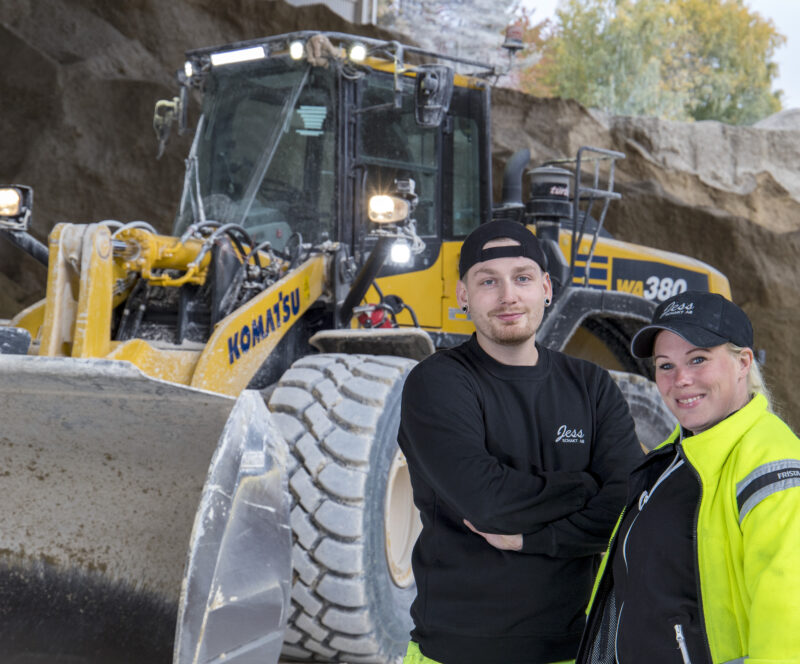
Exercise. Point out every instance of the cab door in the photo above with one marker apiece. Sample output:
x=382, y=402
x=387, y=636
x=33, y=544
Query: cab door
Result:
x=450, y=167
x=467, y=193
x=390, y=146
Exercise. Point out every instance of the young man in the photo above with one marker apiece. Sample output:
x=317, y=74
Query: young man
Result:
x=519, y=458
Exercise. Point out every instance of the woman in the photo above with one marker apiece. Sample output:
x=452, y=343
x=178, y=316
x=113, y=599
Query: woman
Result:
x=704, y=565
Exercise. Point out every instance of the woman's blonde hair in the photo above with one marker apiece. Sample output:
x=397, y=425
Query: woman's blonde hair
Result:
x=755, y=379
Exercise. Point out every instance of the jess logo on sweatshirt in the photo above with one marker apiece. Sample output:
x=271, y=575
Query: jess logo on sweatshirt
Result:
x=566, y=435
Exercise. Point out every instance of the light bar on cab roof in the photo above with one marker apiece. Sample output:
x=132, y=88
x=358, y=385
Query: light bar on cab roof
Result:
x=297, y=49
x=358, y=52
x=239, y=55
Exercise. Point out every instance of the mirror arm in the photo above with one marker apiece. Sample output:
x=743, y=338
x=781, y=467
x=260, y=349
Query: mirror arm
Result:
x=28, y=244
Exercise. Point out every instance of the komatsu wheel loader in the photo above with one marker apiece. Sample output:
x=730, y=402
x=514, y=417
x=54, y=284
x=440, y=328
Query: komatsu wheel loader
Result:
x=198, y=441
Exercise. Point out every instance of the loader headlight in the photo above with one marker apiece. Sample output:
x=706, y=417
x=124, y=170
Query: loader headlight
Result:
x=358, y=52
x=15, y=207
x=400, y=252
x=296, y=50
x=10, y=202
x=188, y=69
x=387, y=209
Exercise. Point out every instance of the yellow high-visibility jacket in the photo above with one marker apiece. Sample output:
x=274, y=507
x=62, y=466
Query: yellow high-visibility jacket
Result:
x=748, y=539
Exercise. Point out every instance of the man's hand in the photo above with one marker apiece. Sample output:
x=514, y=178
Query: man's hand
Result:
x=502, y=542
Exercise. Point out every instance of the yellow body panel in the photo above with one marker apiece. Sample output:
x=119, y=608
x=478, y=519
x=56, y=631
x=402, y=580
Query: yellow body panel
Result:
x=149, y=253
x=61, y=298
x=431, y=293
x=421, y=290
x=31, y=318
x=174, y=365
x=455, y=320
x=77, y=317
x=616, y=265
x=243, y=341
x=92, y=333
x=643, y=271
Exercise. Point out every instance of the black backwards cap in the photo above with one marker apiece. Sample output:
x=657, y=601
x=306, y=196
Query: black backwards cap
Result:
x=472, y=250
x=703, y=319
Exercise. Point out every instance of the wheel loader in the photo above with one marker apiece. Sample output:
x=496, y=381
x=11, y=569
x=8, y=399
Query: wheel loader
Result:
x=199, y=429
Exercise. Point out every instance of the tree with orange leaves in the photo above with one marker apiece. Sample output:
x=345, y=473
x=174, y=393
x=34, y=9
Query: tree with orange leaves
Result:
x=676, y=59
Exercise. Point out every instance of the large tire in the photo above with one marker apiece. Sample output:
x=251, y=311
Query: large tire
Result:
x=352, y=585
x=653, y=420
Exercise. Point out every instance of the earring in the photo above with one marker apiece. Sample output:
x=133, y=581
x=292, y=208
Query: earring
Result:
x=464, y=308
x=547, y=301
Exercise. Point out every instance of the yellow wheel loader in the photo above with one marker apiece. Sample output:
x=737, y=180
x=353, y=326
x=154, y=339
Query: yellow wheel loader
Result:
x=198, y=443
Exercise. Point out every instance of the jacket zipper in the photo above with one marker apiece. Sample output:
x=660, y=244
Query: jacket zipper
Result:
x=645, y=495
x=682, y=644
x=701, y=613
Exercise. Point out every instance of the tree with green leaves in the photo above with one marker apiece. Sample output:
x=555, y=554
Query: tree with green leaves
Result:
x=675, y=59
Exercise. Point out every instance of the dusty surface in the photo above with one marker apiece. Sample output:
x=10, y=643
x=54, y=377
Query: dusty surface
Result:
x=729, y=196
x=80, y=78
x=148, y=482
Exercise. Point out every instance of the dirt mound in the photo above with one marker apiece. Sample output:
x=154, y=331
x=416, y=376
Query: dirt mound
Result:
x=80, y=78
x=729, y=196
x=77, y=89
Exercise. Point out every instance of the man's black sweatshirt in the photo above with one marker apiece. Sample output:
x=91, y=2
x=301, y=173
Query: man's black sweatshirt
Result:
x=541, y=450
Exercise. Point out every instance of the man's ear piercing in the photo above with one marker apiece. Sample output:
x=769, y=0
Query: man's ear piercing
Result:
x=464, y=308
x=547, y=301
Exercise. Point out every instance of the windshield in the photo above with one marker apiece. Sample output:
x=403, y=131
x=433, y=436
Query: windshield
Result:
x=264, y=154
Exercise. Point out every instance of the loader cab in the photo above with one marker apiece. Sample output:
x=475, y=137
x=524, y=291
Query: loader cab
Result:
x=292, y=151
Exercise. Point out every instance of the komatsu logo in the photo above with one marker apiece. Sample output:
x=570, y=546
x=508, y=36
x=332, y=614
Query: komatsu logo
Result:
x=262, y=325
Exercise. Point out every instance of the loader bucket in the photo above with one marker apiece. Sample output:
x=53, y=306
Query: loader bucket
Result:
x=102, y=474
x=236, y=594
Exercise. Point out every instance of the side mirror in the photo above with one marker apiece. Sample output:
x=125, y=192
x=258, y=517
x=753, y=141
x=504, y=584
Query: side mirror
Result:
x=16, y=205
x=432, y=94
x=163, y=118
x=183, y=111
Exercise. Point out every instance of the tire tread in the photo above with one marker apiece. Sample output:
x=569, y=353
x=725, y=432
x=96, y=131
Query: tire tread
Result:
x=328, y=407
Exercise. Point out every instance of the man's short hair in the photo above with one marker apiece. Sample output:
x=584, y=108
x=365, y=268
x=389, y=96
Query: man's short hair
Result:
x=472, y=250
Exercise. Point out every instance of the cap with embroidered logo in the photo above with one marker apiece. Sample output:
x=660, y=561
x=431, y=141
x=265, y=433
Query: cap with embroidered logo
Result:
x=703, y=319
x=472, y=250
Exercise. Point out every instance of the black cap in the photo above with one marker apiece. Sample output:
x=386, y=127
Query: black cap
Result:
x=703, y=319
x=472, y=250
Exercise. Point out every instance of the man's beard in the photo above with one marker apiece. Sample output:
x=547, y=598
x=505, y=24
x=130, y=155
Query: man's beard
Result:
x=513, y=335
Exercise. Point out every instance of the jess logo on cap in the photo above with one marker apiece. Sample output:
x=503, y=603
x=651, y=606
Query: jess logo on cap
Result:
x=675, y=309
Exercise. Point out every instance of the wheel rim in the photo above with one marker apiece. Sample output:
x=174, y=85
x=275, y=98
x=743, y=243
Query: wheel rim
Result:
x=402, y=522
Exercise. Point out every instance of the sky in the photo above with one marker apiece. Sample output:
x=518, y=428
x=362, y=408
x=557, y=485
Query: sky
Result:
x=785, y=14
